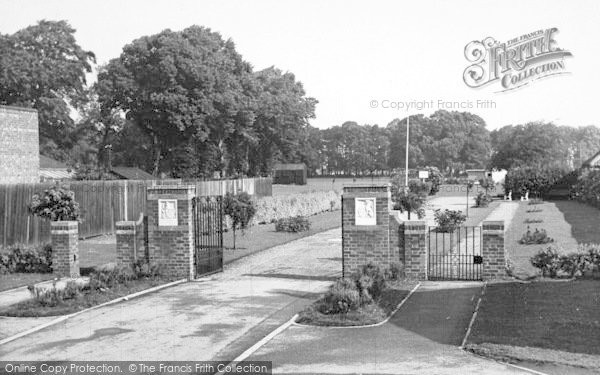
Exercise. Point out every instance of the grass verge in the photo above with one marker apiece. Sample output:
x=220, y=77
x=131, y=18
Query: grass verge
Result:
x=16, y=280
x=262, y=237
x=365, y=315
x=88, y=298
x=552, y=220
x=558, y=316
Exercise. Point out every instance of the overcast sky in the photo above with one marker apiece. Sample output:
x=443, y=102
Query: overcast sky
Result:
x=349, y=53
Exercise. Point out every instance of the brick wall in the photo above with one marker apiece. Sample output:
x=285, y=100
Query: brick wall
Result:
x=132, y=241
x=492, y=250
x=65, y=250
x=415, y=249
x=19, y=145
x=172, y=246
x=365, y=243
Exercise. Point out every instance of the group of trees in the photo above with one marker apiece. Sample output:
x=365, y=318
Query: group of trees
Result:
x=184, y=103
x=187, y=104
x=450, y=140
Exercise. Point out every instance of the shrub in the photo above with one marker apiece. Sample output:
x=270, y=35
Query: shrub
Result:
x=449, y=220
x=537, y=237
x=374, y=281
x=394, y=271
x=482, y=199
x=533, y=221
x=534, y=210
x=141, y=269
x=547, y=260
x=241, y=209
x=292, y=224
x=535, y=179
x=587, y=257
x=342, y=297
x=26, y=259
x=435, y=180
x=271, y=209
x=56, y=204
x=111, y=275
x=54, y=296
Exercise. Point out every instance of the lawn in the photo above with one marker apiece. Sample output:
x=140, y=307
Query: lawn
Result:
x=583, y=219
x=370, y=314
x=261, y=237
x=563, y=316
x=542, y=216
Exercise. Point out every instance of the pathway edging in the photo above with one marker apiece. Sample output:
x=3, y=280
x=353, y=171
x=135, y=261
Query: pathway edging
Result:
x=65, y=317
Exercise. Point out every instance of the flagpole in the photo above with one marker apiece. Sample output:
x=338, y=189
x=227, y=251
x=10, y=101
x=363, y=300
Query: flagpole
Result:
x=406, y=170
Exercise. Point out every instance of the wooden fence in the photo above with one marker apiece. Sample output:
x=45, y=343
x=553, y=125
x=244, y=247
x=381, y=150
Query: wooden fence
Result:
x=102, y=203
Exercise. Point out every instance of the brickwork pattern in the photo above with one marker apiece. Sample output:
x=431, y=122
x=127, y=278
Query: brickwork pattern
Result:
x=369, y=243
x=415, y=249
x=19, y=145
x=132, y=241
x=492, y=250
x=65, y=248
x=172, y=246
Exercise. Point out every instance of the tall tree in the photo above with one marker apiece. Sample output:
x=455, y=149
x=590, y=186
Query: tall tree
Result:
x=43, y=67
x=177, y=86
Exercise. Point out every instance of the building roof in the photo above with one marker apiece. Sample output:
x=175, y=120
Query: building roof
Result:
x=289, y=167
x=132, y=173
x=592, y=161
x=49, y=163
x=55, y=174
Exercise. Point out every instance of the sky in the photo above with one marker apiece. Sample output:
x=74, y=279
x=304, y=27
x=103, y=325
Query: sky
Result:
x=360, y=59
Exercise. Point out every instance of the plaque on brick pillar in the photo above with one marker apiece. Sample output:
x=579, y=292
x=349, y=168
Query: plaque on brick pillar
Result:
x=365, y=211
x=167, y=212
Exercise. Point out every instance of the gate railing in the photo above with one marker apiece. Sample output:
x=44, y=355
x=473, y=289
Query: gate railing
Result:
x=208, y=234
x=454, y=255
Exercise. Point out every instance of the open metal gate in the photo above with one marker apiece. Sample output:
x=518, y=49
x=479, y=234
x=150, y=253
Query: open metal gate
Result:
x=208, y=234
x=454, y=255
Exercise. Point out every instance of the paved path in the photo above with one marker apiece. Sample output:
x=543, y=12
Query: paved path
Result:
x=216, y=318
x=422, y=338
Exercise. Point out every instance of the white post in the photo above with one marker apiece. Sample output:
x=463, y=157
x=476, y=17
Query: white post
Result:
x=406, y=170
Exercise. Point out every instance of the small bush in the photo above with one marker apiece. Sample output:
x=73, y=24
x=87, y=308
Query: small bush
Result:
x=54, y=296
x=109, y=276
x=586, y=258
x=22, y=258
x=537, y=237
x=142, y=269
x=534, y=210
x=342, y=297
x=394, y=271
x=56, y=204
x=547, y=261
x=533, y=221
x=449, y=220
x=535, y=201
x=292, y=224
x=482, y=199
x=376, y=280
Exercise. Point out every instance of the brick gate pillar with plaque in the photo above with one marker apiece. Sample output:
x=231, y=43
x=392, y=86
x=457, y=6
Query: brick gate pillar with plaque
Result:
x=365, y=227
x=170, y=229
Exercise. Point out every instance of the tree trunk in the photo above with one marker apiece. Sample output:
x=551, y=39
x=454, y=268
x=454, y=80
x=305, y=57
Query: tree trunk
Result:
x=156, y=155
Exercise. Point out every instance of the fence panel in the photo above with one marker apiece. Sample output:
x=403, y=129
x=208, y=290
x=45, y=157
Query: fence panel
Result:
x=102, y=203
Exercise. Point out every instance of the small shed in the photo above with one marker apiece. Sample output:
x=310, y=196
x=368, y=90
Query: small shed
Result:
x=287, y=174
x=54, y=170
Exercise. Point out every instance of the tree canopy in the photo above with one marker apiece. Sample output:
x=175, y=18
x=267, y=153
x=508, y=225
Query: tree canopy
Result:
x=43, y=67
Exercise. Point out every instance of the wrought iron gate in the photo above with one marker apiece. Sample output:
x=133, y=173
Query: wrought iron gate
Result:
x=454, y=255
x=208, y=234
